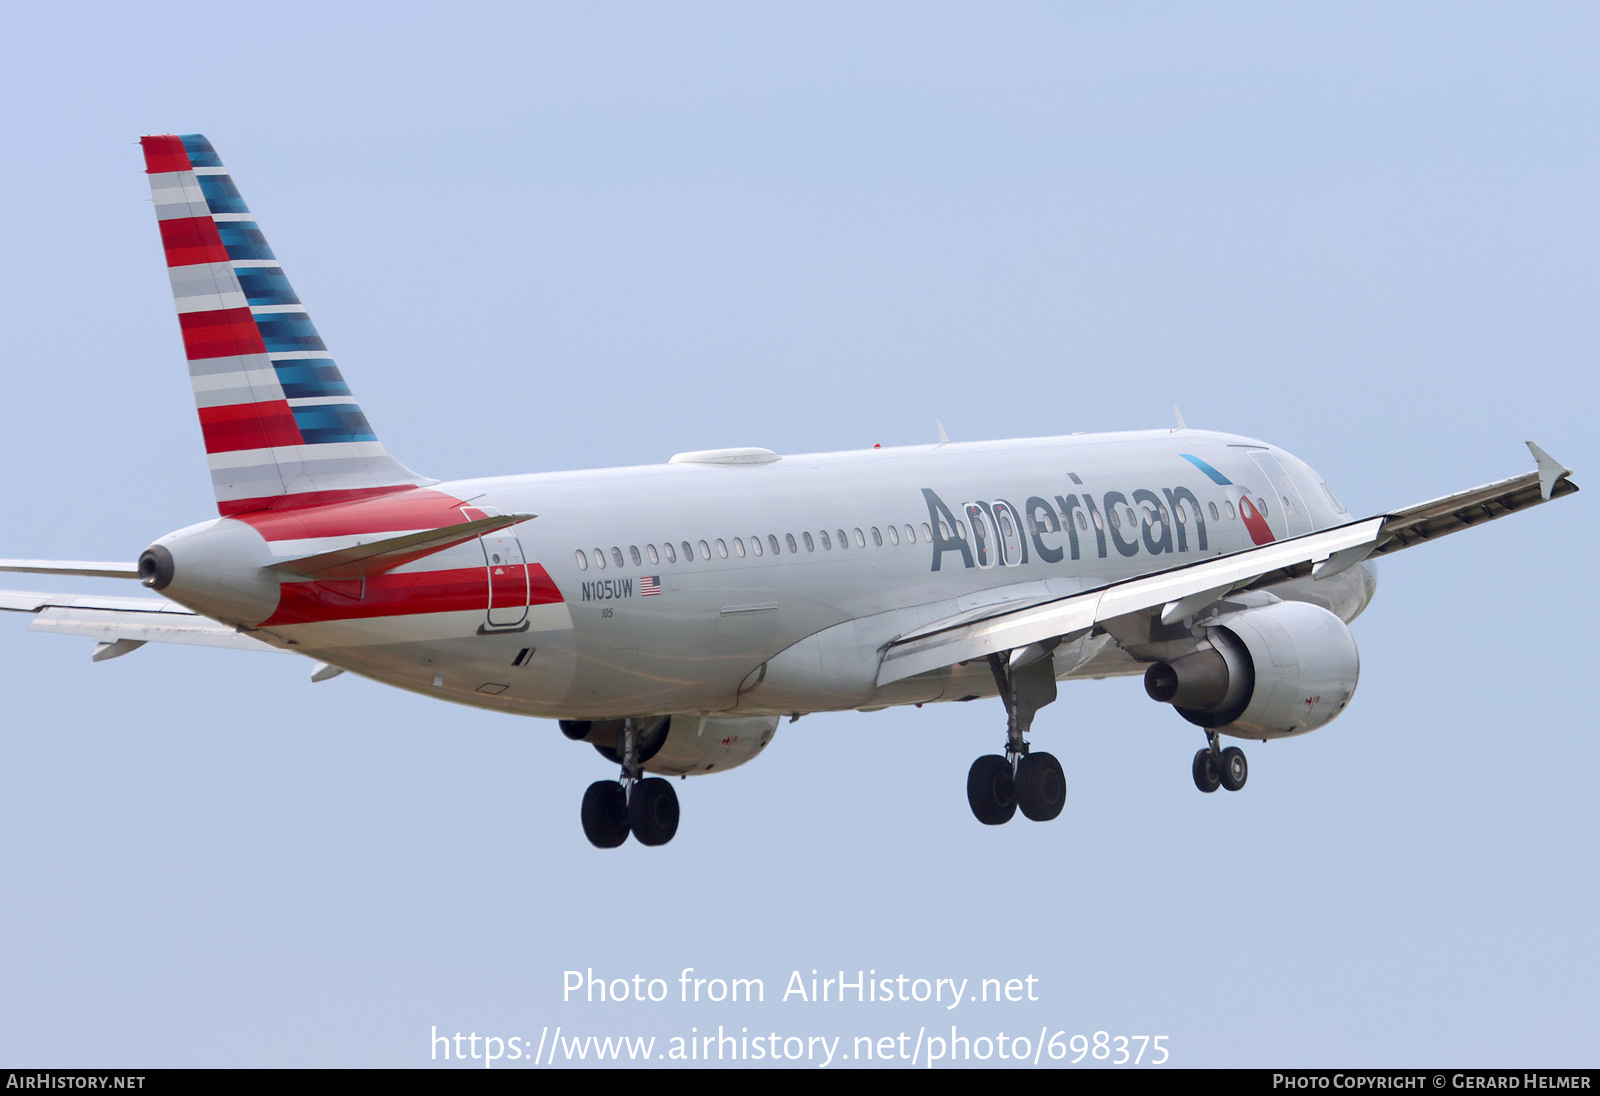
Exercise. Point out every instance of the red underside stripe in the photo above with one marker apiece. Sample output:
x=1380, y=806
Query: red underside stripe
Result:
x=464, y=589
x=190, y=240
x=164, y=153
x=344, y=513
x=220, y=333
x=248, y=426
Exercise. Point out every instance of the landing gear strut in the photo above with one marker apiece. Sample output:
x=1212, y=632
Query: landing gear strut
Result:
x=1214, y=768
x=997, y=785
x=645, y=806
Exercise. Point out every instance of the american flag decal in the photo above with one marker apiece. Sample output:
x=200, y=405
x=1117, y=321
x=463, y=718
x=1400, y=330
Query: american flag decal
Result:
x=649, y=585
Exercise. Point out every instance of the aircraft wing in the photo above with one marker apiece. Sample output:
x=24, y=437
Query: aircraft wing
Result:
x=1184, y=590
x=121, y=624
x=81, y=568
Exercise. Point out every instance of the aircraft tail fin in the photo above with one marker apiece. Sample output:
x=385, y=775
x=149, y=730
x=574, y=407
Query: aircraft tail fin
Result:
x=281, y=428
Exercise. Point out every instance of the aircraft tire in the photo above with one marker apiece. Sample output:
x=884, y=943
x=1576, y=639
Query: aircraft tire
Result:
x=1041, y=787
x=991, y=790
x=1206, y=777
x=1235, y=770
x=605, y=814
x=653, y=811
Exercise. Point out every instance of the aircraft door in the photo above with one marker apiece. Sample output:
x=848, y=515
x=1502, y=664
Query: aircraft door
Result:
x=1280, y=490
x=509, y=582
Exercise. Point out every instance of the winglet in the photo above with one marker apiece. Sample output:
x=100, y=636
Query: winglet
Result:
x=944, y=439
x=1179, y=414
x=1551, y=471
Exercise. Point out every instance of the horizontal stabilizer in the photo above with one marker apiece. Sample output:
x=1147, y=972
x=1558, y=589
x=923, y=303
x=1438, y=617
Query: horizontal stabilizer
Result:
x=82, y=567
x=377, y=556
x=121, y=624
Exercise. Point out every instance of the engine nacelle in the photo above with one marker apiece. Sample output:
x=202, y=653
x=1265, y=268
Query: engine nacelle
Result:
x=1271, y=672
x=680, y=745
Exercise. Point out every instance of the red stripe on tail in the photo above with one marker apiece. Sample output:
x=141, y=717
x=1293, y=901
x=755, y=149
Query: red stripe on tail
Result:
x=165, y=153
x=220, y=333
x=191, y=240
x=249, y=426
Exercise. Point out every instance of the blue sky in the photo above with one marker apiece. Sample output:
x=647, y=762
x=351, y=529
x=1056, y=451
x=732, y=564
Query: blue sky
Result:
x=540, y=237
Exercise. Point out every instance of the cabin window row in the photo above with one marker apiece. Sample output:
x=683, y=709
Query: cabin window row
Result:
x=758, y=545
x=762, y=545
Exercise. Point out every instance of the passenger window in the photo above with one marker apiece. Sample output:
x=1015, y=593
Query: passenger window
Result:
x=1116, y=520
x=810, y=544
x=722, y=548
x=844, y=541
x=582, y=558
x=1005, y=524
x=788, y=538
x=672, y=557
x=927, y=532
x=1288, y=507
x=616, y=554
x=1099, y=522
x=772, y=542
x=877, y=537
x=961, y=529
x=1261, y=504
x=651, y=548
x=755, y=544
x=738, y=547
x=705, y=550
x=894, y=535
x=911, y=534
x=1214, y=515
x=1162, y=510
x=633, y=550
x=1083, y=523
x=1229, y=505
x=688, y=552
x=827, y=545
x=599, y=560
x=861, y=539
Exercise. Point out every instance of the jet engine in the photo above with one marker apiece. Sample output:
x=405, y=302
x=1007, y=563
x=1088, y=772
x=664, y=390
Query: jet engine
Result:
x=679, y=745
x=1268, y=672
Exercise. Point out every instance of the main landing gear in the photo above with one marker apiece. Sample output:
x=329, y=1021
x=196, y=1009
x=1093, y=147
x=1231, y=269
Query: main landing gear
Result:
x=997, y=785
x=1214, y=768
x=646, y=807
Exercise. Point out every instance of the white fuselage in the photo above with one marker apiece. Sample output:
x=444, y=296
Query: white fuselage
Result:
x=690, y=586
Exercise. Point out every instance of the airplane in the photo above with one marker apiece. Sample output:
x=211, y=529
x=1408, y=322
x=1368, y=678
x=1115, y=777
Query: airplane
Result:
x=671, y=616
